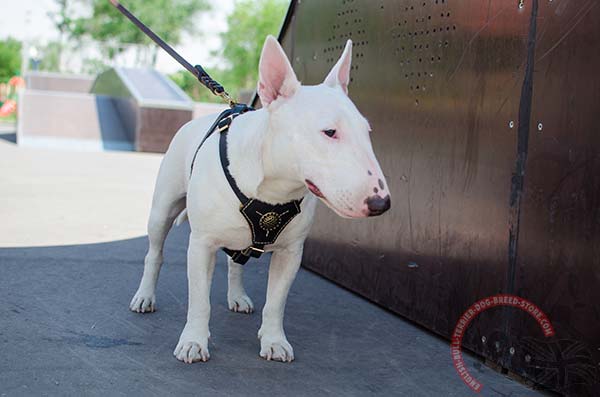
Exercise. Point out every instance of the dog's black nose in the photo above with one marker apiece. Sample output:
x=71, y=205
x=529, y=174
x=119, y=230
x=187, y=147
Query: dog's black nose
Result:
x=377, y=205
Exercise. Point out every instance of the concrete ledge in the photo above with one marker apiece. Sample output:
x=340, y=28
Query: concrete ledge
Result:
x=56, y=117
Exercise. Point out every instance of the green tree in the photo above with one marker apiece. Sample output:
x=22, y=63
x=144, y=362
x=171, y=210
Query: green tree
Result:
x=63, y=18
x=167, y=18
x=10, y=58
x=248, y=26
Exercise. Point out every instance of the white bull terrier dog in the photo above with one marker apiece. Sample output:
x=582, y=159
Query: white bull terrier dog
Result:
x=305, y=138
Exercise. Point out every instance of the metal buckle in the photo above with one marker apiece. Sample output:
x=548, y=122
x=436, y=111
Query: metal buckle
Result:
x=253, y=251
x=225, y=123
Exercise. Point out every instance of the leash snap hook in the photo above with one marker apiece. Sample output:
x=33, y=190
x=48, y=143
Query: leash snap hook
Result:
x=225, y=96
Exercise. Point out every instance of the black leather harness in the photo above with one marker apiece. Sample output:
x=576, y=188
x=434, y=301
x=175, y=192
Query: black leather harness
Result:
x=266, y=221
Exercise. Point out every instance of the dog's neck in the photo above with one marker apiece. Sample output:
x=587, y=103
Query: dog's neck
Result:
x=260, y=161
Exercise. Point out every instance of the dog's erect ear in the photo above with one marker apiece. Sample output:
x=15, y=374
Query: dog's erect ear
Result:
x=340, y=74
x=276, y=78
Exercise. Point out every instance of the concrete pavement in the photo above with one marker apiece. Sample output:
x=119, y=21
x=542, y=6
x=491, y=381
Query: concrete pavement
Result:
x=54, y=197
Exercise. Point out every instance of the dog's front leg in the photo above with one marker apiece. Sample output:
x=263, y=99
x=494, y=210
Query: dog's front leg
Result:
x=282, y=271
x=193, y=342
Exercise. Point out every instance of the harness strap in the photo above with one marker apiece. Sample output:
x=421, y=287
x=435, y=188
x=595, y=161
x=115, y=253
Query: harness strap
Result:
x=212, y=128
x=225, y=165
x=242, y=256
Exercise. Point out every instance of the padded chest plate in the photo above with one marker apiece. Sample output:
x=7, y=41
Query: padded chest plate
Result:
x=267, y=221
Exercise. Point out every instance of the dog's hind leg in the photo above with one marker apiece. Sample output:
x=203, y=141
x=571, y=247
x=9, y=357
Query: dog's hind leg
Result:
x=166, y=206
x=237, y=299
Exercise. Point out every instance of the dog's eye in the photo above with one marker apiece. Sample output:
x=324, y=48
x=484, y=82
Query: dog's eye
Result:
x=329, y=133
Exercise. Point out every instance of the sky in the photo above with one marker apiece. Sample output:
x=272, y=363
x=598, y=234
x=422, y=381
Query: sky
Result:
x=28, y=20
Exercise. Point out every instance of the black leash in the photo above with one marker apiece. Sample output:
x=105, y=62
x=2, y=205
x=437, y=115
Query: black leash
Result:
x=198, y=71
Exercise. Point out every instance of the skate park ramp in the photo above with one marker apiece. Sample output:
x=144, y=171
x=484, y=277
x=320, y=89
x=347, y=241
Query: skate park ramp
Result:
x=121, y=109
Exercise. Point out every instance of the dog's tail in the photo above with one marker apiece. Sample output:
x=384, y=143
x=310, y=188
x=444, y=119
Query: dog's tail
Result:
x=182, y=217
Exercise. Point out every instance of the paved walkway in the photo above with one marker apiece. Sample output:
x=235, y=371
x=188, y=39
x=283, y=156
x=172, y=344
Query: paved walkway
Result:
x=66, y=329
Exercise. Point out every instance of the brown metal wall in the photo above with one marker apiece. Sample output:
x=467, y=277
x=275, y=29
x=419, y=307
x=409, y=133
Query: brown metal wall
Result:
x=444, y=86
x=558, y=264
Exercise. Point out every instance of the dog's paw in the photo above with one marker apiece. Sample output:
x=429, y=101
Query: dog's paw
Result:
x=278, y=349
x=192, y=346
x=191, y=352
x=143, y=302
x=240, y=303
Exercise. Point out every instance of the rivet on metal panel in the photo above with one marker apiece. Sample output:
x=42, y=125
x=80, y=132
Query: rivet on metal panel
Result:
x=511, y=351
x=540, y=127
x=483, y=339
x=511, y=124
